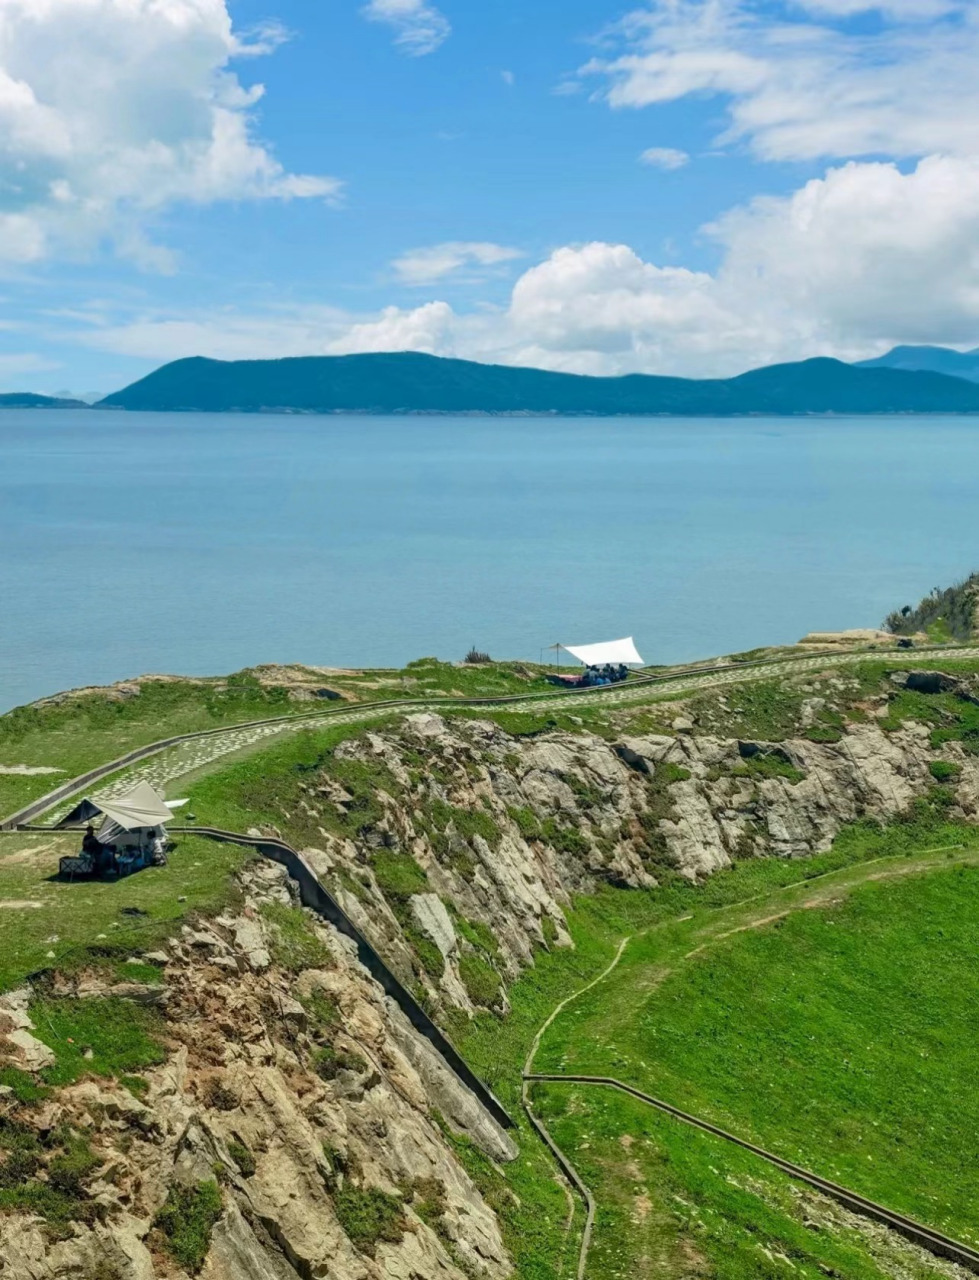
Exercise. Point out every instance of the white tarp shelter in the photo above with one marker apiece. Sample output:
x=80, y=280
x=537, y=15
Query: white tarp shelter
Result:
x=129, y=819
x=141, y=807
x=134, y=817
x=613, y=652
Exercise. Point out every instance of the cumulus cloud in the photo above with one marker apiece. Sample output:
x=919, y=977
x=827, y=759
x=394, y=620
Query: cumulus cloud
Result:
x=856, y=261
x=426, y=266
x=419, y=27
x=112, y=110
x=800, y=80
x=664, y=158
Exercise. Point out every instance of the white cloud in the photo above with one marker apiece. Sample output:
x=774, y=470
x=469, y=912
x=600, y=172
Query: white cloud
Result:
x=419, y=27
x=111, y=110
x=15, y=363
x=426, y=266
x=851, y=263
x=868, y=252
x=664, y=158
x=507, y=77
x=800, y=81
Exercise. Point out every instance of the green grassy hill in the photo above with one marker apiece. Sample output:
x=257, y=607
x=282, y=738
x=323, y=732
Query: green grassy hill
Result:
x=822, y=1007
x=411, y=382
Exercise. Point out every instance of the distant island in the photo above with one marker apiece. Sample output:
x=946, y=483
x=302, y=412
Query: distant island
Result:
x=28, y=400
x=907, y=380
x=410, y=382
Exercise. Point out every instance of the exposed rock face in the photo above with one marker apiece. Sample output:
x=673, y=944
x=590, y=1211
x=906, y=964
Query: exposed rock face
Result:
x=463, y=869
x=563, y=812
x=240, y=1095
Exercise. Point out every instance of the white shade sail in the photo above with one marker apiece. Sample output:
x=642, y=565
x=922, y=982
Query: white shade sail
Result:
x=612, y=651
x=141, y=807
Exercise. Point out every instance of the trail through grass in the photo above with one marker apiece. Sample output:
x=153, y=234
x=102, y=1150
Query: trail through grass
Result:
x=684, y=916
x=833, y=1024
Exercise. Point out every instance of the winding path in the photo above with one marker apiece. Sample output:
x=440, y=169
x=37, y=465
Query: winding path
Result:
x=175, y=757
x=934, y=1241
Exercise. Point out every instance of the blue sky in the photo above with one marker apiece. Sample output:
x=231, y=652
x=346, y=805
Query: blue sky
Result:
x=689, y=186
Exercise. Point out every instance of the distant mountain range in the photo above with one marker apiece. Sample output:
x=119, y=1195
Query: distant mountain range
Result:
x=957, y=364
x=409, y=382
x=28, y=400
x=905, y=380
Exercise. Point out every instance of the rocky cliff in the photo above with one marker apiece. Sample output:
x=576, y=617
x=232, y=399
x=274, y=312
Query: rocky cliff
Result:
x=467, y=867
x=292, y=1094
x=291, y=1112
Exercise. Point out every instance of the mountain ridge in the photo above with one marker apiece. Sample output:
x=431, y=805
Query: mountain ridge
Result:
x=930, y=359
x=413, y=382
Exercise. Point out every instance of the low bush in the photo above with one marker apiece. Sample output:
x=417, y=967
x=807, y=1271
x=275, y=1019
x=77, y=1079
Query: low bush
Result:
x=328, y=1061
x=769, y=765
x=482, y=982
x=242, y=1157
x=369, y=1216
x=944, y=770
x=398, y=875
x=186, y=1221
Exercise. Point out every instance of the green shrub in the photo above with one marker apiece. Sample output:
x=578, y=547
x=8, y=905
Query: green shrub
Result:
x=668, y=772
x=432, y=960
x=944, y=770
x=526, y=821
x=186, y=1221
x=944, y=615
x=369, y=1216
x=242, y=1157
x=565, y=839
x=323, y=1010
x=480, y=979
x=430, y=1202
x=398, y=875
x=768, y=765
x=328, y=1061
x=823, y=733
x=477, y=934
x=69, y=1171
x=549, y=930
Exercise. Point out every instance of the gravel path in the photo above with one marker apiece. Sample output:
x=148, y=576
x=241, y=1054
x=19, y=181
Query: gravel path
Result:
x=176, y=762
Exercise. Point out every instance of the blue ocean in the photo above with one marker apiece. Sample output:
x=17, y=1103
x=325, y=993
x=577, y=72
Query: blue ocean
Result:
x=197, y=543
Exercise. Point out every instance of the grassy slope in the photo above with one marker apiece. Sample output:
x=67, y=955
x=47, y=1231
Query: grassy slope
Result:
x=72, y=916
x=81, y=732
x=841, y=1037
x=673, y=1202
x=497, y=1051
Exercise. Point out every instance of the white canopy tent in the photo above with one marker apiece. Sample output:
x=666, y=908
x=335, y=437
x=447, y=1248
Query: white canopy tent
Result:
x=612, y=652
x=127, y=819
x=141, y=807
x=139, y=810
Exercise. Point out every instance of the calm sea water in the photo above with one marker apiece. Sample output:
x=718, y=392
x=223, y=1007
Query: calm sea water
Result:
x=201, y=544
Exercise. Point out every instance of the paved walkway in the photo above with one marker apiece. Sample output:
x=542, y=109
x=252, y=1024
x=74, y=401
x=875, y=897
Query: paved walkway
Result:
x=176, y=762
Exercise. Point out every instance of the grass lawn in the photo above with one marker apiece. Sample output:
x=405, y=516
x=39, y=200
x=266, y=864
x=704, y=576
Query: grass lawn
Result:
x=78, y=921
x=677, y=913
x=79, y=733
x=841, y=1036
x=674, y=1202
